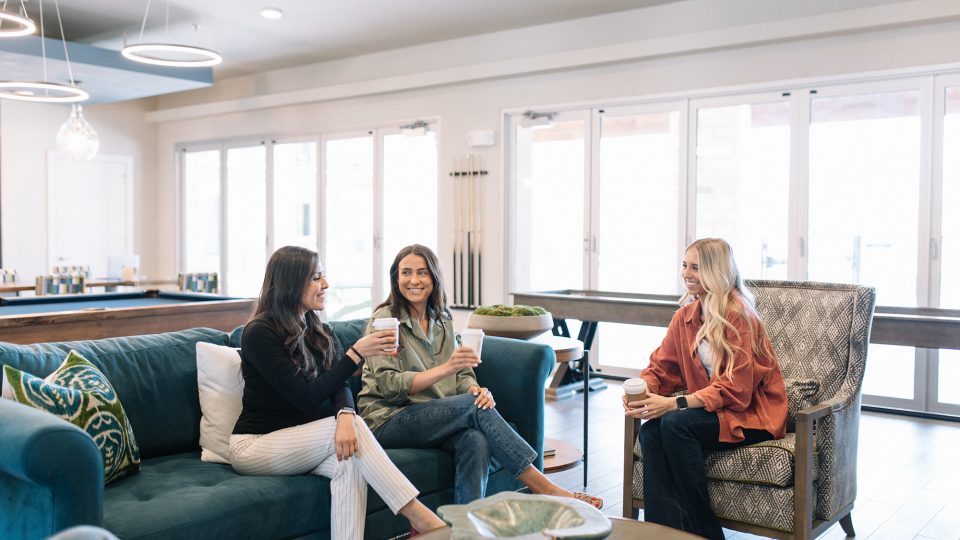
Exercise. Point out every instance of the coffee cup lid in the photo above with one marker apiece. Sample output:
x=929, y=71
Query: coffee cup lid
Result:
x=634, y=385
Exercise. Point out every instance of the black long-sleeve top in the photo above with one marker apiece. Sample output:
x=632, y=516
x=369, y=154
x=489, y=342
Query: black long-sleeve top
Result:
x=275, y=394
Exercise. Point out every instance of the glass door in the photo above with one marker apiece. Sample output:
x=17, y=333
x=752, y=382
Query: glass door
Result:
x=246, y=220
x=349, y=223
x=742, y=183
x=945, y=392
x=550, y=201
x=639, y=160
x=201, y=181
x=410, y=173
x=864, y=178
x=295, y=174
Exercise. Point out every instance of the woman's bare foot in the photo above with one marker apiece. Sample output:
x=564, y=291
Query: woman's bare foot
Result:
x=541, y=485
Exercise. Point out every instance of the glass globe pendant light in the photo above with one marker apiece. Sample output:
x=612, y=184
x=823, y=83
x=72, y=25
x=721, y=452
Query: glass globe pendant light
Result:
x=76, y=137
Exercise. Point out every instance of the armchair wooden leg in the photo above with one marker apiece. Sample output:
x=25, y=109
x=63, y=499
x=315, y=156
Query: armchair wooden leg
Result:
x=846, y=523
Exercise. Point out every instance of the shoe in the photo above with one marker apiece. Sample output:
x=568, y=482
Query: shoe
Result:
x=595, y=502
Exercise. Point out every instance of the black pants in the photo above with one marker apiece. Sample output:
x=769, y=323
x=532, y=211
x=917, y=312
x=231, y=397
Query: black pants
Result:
x=674, y=479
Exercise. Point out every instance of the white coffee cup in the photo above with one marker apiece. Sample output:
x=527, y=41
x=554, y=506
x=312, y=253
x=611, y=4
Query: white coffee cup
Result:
x=389, y=323
x=473, y=338
x=635, y=389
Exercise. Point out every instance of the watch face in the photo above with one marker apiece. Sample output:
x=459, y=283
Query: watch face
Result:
x=682, y=403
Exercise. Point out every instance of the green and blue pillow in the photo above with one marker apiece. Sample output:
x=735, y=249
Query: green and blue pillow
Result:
x=80, y=393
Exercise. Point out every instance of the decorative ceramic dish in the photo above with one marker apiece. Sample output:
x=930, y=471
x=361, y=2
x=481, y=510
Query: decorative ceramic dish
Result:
x=519, y=516
x=524, y=327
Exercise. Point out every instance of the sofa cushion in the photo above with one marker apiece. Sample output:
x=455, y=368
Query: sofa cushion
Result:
x=155, y=377
x=179, y=496
x=767, y=463
x=80, y=394
x=220, y=381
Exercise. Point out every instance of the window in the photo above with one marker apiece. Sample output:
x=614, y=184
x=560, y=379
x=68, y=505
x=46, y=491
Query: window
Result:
x=838, y=183
x=201, y=210
x=381, y=195
x=349, y=224
x=549, y=213
x=295, y=194
x=639, y=191
x=864, y=190
x=409, y=195
x=244, y=199
x=743, y=180
x=246, y=220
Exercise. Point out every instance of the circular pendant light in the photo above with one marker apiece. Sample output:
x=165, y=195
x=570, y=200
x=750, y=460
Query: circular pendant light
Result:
x=24, y=26
x=45, y=91
x=188, y=56
x=42, y=91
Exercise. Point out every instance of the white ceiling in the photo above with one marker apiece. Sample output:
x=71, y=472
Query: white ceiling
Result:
x=310, y=31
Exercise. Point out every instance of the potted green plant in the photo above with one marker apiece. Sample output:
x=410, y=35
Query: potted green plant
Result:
x=519, y=322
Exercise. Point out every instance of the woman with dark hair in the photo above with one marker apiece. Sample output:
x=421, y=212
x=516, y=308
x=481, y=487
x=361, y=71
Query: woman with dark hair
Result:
x=718, y=350
x=425, y=394
x=292, y=364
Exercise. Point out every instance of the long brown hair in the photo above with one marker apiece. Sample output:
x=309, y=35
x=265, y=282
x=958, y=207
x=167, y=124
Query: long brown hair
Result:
x=436, y=303
x=288, y=273
x=725, y=293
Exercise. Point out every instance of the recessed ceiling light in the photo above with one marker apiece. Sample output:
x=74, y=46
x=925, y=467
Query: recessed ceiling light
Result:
x=271, y=13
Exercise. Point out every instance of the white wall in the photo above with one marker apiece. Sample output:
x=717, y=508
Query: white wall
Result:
x=27, y=133
x=479, y=104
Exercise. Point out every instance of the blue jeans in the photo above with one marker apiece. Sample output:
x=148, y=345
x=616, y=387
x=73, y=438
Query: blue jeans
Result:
x=674, y=478
x=473, y=435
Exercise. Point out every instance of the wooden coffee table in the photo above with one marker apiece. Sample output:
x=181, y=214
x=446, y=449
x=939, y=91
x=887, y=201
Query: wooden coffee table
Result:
x=623, y=529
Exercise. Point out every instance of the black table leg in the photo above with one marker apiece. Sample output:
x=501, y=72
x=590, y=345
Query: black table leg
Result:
x=585, y=368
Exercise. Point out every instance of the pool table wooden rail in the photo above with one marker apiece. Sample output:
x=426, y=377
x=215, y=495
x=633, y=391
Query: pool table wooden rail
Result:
x=124, y=321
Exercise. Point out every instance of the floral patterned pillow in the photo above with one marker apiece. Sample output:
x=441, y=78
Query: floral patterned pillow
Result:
x=80, y=393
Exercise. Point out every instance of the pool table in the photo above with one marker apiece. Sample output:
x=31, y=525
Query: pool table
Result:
x=93, y=316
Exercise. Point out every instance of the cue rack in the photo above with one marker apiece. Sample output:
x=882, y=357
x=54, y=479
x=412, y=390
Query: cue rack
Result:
x=468, y=232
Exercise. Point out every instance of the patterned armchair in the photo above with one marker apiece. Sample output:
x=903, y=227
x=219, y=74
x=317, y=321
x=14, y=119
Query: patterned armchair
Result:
x=797, y=487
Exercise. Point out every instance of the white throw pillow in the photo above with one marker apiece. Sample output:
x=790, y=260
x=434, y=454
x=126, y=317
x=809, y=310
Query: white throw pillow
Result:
x=220, y=381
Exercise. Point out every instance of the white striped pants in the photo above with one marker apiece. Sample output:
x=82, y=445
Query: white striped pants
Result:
x=310, y=448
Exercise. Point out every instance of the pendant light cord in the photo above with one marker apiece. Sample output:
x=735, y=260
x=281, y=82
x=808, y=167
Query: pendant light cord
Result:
x=63, y=39
x=143, y=25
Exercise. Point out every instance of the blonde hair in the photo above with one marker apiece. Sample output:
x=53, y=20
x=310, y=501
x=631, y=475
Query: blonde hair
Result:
x=725, y=294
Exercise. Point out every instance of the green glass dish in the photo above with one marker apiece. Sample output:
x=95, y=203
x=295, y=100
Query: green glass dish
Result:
x=519, y=516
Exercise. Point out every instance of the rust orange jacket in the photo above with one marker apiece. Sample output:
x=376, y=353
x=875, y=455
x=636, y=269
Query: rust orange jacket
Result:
x=756, y=398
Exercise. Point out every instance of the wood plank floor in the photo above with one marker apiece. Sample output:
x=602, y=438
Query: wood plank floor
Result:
x=908, y=469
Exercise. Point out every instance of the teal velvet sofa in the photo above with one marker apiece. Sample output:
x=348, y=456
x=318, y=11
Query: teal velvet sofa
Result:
x=51, y=473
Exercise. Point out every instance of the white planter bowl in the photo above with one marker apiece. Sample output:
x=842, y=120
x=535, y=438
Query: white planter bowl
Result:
x=511, y=327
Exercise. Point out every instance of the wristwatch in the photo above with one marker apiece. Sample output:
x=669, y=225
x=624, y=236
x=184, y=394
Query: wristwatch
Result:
x=348, y=410
x=681, y=403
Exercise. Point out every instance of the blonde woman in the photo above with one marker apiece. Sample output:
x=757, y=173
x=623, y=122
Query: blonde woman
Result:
x=718, y=350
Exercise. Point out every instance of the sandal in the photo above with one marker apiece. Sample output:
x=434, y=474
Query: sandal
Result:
x=595, y=502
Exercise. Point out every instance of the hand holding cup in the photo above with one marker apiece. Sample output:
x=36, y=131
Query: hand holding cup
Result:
x=634, y=390
x=391, y=325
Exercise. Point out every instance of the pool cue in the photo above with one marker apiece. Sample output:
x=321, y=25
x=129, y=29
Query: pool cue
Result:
x=456, y=227
x=478, y=167
x=461, y=179
x=469, y=231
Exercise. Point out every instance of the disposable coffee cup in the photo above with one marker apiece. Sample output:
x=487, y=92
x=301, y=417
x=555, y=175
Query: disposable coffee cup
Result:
x=389, y=323
x=635, y=389
x=473, y=338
